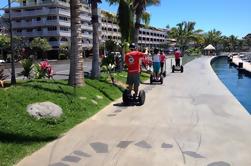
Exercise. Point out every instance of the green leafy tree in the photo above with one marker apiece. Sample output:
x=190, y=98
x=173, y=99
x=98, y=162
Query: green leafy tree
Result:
x=233, y=41
x=40, y=46
x=213, y=37
x=185, y=33
x=4, y=44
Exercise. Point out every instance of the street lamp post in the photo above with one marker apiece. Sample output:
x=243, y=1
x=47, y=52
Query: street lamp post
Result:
x=13, y=76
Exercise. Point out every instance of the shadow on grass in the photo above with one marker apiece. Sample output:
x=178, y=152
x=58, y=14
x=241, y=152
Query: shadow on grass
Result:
x=39, y=87
x=18, y=138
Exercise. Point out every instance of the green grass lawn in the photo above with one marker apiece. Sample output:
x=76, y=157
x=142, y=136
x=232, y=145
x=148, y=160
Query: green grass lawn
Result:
x=21, y=135
x=122, y=76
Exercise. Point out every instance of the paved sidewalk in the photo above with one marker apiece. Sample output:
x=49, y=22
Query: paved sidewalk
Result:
x=192, y=120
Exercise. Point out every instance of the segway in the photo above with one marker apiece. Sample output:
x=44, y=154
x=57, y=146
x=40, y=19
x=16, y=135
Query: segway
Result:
x=164, y=72
x=177, y=67
x=129, y=99
x=156, y=80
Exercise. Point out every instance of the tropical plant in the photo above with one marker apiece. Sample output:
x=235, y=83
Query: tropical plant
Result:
x=108, y=65
x=2, y=76
x=4, y=43
x=76, y=59
x=225, y=43
x=27, y=65
x=40, y=46
x=185, y=33
x=63, y=52
x=233, y=40
x=95, y=72
x=43, y=70
x=213, y=37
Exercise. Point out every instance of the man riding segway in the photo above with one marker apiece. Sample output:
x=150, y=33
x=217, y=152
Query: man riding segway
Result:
x=132, y=60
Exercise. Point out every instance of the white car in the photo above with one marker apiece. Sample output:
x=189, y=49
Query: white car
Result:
x=2, y=61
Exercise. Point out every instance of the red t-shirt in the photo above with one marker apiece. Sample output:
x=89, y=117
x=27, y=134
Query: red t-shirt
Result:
x=162, y=58
x=132, y=61
x=177, y=54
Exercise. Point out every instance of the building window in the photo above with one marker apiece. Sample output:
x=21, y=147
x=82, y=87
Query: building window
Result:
x=64, y=18
x=29, y=30
x=51, y=17
x=28, y=20
x=38, y=18
x=19, y=30
x=64, y=29
x=39, y=29
x=52, y=28
x=18, y=20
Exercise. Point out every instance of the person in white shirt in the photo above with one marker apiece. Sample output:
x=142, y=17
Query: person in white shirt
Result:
x=156, y=63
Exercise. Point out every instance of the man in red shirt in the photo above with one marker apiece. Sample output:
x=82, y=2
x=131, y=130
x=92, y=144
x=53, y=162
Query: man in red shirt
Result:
x=132, y=59
x=177, y=55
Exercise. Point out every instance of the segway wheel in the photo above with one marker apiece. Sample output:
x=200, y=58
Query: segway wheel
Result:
x=164, y=73
x=161, y=80
x=125, y=97
x=181, y=69
x=151, y=79
x=142, y=97
x=173, y=68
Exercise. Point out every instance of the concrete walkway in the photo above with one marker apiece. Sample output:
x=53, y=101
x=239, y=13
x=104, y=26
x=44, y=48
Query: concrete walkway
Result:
x=191, y=120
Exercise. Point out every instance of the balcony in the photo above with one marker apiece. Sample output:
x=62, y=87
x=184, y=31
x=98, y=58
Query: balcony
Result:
x=86, y=27
x=64, y=23
x=64, y=12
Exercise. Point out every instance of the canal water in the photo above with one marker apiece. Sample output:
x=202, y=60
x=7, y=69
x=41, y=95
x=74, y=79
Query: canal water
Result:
x=238, y=84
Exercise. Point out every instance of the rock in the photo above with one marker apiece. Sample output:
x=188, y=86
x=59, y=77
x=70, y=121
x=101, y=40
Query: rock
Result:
x=44, y=110
x=99, y=97
x=94, y=102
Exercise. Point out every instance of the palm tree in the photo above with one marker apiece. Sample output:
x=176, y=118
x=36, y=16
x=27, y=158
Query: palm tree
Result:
x=185, y=33
x=233, y=42
x=213, y=37
x=95, y=72
x=13, y=73
x=76, y=60
x=139, y=7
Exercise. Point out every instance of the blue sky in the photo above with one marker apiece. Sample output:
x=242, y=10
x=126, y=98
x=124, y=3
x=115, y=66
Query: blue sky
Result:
x=228, y=16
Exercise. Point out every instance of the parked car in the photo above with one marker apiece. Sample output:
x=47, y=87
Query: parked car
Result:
x=2, y=61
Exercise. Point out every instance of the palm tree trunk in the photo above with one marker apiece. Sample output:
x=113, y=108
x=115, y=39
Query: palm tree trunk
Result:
x=95, y=24
x=76, y=60
x=13, y=73
x=136, y=29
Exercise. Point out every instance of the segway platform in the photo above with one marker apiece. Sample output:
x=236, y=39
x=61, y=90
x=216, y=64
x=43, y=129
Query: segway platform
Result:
x=154, y=80
x=128, y=99
x=177, y=67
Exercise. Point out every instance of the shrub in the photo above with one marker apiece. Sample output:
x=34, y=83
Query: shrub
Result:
x=27, y=66
x=43, y=70
x=2, y=77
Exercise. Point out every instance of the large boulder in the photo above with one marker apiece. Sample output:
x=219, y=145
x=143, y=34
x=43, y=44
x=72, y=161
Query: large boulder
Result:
x=44, y=110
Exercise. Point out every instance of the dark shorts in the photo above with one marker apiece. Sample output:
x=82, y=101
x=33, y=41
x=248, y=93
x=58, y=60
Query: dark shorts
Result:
x=161, y=64
x=133, y=79
x=177, y=61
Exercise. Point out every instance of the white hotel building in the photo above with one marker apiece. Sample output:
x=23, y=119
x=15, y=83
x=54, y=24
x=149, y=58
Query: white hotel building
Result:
x=51, y=19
